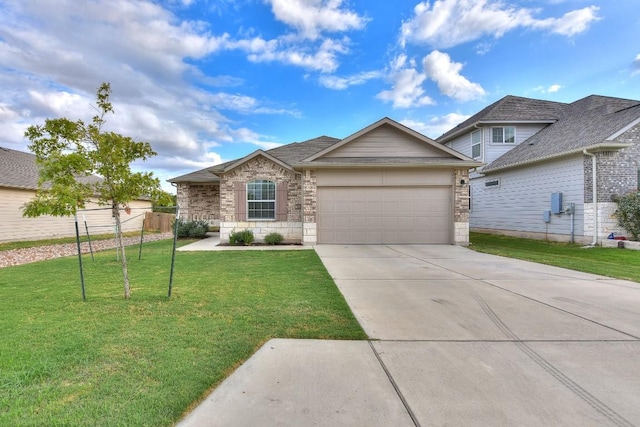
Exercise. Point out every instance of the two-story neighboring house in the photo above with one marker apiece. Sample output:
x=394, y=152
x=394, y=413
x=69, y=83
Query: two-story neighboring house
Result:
x=547, y=162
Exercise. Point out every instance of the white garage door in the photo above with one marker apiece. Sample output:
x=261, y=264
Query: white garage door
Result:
x=374, y=215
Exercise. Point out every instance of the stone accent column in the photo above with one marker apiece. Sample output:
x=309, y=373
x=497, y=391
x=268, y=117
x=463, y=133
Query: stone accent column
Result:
x=309, y=225
x=461, y=207
x=182, y=193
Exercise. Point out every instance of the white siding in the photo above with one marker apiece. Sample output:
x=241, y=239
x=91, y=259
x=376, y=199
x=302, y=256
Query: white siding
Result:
x=387, y=141
x=491, y=152
x=517, y=204
x=14, y=227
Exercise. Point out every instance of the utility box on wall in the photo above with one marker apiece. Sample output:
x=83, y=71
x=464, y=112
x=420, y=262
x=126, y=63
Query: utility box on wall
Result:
x=556, y=203
x=546, y=216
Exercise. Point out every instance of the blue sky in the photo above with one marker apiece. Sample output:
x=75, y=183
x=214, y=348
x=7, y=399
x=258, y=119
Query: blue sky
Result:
x=206, y=81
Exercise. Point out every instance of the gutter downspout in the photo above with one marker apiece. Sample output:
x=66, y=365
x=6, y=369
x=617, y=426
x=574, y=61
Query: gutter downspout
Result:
x=594, y=185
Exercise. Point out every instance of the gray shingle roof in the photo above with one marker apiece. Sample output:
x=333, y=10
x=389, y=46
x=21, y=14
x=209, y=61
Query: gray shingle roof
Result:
x=509, y=109
x=18, y=169
x=581, y=124
x=202, y=176
x=289, y=154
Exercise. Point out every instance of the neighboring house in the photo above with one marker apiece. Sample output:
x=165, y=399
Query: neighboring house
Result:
x=545, y=161
x=383, y=184
x=18, y=183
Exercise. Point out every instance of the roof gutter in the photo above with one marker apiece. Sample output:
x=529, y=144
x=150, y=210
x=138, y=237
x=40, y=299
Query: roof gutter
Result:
x=594, y=191
x=311, y=165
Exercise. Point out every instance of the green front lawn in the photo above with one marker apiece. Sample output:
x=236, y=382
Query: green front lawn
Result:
x=619, y=263
x=112, y=362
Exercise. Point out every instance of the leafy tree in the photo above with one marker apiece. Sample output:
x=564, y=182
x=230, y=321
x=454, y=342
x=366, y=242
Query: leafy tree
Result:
x=165, y=202
x=70, y=155
x=628, y=213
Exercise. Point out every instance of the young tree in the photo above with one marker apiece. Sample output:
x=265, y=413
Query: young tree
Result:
x=70, y=155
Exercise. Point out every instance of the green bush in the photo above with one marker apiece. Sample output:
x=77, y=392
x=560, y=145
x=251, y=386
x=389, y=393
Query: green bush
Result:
x=273, y=239
x=244, y=237
x=192, y=228
x=628, y=213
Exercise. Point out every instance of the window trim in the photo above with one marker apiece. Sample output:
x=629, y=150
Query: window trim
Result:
x=273, y=201
x=503, y=142
x=479, y=143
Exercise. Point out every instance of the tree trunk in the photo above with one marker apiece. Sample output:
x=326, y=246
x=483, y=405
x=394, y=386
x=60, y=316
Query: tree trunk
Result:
x=123, y=258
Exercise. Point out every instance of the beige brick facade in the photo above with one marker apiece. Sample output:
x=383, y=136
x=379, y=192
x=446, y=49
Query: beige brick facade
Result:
x=260, y=168
x=199, y=201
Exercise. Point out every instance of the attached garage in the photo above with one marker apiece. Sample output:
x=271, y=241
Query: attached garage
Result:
x=385, y=206
x=384, y=215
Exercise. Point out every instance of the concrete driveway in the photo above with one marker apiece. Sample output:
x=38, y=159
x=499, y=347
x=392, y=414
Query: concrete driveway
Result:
x=458, y=338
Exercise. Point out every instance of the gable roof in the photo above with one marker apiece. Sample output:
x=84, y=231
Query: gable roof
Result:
x=589, y=123
x=18, y=169
x=317, y=157
x=310, y=152
x=288, y=154
x=509, y=109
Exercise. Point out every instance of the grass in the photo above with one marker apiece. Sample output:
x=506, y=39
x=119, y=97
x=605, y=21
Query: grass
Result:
x=621, y=264
x=7, y=246
x=144, y=362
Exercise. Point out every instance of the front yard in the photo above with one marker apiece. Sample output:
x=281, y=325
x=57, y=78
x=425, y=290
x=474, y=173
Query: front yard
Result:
x=619, y=263
x=144, y=362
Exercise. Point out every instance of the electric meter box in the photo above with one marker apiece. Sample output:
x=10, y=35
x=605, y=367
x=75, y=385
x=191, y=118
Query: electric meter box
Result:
x=556, y=203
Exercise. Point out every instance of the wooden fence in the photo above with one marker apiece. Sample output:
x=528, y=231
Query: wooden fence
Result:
x=157, y=221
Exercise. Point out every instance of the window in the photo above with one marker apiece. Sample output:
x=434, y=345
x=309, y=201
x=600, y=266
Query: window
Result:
x=261, y=199
x=503, y=135
x=476, y=144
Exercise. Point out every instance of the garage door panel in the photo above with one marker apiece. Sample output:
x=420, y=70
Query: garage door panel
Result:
x=373, y=215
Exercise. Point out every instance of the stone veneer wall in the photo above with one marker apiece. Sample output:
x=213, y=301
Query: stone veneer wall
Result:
x=199, y=201
x=310, y=227
x=261, y=168
x=607, y=222
x=461, y=207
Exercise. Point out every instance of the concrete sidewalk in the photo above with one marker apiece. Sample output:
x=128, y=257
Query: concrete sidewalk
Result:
x=459, y=338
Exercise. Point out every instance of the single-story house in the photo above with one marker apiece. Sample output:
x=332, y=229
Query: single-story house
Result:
x=19, y=175
x=384, y=184
x=551, y=168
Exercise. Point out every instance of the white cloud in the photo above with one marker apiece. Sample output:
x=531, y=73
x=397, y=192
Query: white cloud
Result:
x=551, y=89
x=554, y=88
x=319, y=56
x=447, y=23
x=313, y=17
x=436, y=126
x=60, y=52
x=341, y=83
x=446, y=73
x=406, y=90
x=570, y=24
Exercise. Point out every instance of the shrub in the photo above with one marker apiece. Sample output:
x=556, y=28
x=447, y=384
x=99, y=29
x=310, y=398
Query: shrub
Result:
x=244, y=237
x=192, y=228
x=273, y=239
x=628, y=213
